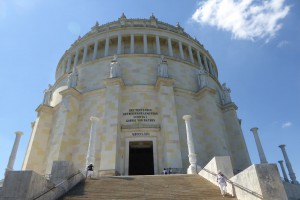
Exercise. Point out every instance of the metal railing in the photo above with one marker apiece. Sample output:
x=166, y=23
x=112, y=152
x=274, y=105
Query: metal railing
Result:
x=236, y=185
x=57, y=185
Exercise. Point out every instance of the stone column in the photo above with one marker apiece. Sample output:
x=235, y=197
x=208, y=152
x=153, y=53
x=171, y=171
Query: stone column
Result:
x=84, y=54
x=131, y=43
x=145, y=43
x=12, y=157
x=69, y=64
x=288, y=165
x=170, y=47
x=95, y=50
x=106, y=46
x=205, y=64
x=191, y=55
x=76, y=59
x=157, y=44
x=283, y=171
x=261, y=153
x=211, y=69
x=119, y=44
x=199, y=58
x=181, y=50
x=90, y=157
x=190, y=142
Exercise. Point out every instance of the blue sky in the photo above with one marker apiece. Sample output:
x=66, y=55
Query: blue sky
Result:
x=256, y=47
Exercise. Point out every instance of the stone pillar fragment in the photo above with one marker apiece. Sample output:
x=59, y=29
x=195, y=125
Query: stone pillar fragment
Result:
x=261, y=153
x=283, y=171
x=90, y=157
x=288, y=165
x=190, y=142
x=12, y=158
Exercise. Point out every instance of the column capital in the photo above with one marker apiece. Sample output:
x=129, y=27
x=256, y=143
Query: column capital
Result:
x=19, y=133
x=282, y=146
x=187, y=117
x=92, y=118
x=254, y=130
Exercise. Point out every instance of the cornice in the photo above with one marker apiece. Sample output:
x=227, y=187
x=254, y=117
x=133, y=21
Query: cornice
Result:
x=114, y=81
x=44, y=108
x=229, y=106
x=71, y=91
x=204, y=91
x=163, y=82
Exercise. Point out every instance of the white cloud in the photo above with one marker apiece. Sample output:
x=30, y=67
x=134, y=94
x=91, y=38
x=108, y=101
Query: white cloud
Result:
x=282, y=43
x=286, y=125
x=245, y=19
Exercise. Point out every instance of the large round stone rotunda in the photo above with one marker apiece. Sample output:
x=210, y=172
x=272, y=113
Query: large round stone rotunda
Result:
x=133, y=97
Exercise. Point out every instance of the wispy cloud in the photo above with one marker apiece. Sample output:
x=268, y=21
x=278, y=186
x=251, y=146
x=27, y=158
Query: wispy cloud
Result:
x=282, y=43
x=286, y=125
x=245, y=19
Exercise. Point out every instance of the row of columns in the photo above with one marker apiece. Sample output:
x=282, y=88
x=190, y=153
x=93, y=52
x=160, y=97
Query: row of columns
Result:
x=193, y=157
x=206, y=64
x=263, y=159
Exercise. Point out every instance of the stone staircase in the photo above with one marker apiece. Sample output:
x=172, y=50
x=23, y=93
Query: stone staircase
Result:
x=164, y=187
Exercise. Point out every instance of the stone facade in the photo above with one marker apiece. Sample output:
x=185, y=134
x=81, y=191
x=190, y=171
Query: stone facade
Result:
x=144, y=101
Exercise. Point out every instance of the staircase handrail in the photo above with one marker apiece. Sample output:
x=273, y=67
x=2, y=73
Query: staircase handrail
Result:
x=237, y=185
x=57, y=185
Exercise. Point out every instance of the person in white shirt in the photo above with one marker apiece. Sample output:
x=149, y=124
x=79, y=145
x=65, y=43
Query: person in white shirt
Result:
x=221, y=179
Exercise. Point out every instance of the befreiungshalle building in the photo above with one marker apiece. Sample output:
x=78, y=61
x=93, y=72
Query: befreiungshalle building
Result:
x=126, y=86
x=134, y=97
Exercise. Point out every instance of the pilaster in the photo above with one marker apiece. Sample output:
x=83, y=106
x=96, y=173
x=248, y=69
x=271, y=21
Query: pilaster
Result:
x=109, y=153
x=61, y=144
x=238, y=149
x=169, y=125
x=210, y=127
x=37, y=148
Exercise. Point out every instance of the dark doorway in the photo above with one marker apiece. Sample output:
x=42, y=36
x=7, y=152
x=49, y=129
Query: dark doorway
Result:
x=141, y=158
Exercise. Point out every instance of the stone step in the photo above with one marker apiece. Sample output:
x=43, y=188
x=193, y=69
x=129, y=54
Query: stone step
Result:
x=164, y=187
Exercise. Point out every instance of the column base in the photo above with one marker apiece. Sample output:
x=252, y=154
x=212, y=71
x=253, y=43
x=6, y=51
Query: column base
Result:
x=194, y=169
